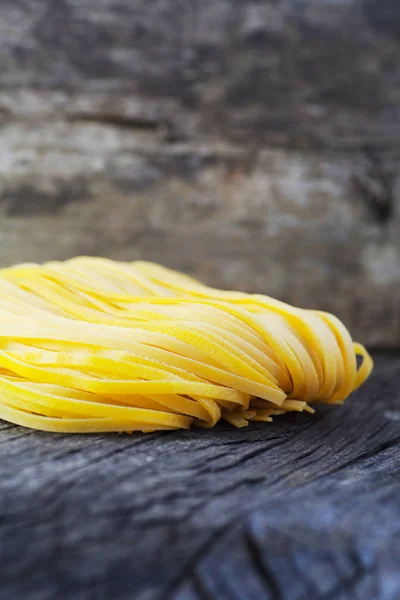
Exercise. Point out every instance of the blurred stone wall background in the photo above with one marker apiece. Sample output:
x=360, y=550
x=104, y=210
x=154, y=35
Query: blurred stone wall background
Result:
x=254, y=144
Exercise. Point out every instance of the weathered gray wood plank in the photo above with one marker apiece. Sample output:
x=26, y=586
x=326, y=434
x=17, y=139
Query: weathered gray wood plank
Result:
x=305, y=508
x=252, y=144
x=287, y=71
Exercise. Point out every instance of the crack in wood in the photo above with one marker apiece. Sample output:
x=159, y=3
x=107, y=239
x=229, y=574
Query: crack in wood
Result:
x=376, y=186
x=261, y=566
x=118, y=121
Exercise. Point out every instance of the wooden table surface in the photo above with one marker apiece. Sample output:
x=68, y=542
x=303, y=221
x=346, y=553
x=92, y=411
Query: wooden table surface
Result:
x=308, y=507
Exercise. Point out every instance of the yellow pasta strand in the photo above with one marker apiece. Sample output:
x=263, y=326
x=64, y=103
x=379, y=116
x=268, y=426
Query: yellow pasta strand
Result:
x=94, y=345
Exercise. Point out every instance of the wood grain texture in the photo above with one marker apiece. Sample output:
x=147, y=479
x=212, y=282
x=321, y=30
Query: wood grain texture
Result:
x=252, y=144
x=307, y=507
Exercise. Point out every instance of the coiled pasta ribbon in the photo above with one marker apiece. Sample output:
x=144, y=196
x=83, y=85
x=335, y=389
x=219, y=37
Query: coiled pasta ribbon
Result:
x=92, y=344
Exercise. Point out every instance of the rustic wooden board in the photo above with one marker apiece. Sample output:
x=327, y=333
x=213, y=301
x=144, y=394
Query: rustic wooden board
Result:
x=305, y=508
x=253, y=144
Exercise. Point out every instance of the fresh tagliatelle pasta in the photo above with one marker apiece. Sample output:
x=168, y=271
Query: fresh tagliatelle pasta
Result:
x=92, y=344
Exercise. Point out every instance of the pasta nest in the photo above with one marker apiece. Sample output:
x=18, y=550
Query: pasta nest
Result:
x=91, y=345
